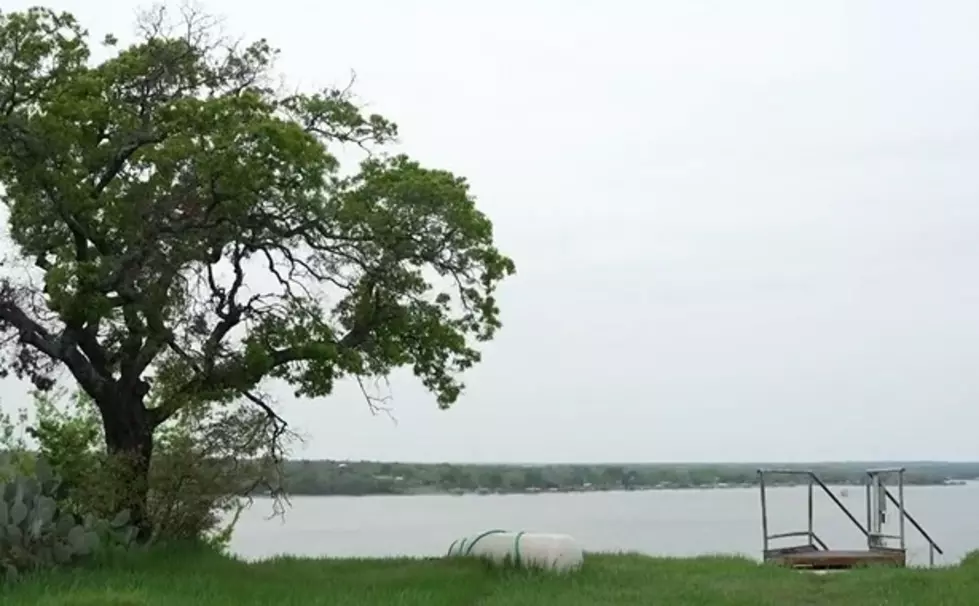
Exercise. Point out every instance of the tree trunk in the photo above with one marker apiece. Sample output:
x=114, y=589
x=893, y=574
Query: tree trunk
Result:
x=129, y=443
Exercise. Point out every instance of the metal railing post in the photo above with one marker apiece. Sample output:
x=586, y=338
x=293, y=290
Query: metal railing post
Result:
x=810, y=511
x=764, y=512
x=900, y=506
x=870, y=541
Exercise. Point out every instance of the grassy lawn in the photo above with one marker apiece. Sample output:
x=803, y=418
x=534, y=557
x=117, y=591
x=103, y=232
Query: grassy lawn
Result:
x=183, y=578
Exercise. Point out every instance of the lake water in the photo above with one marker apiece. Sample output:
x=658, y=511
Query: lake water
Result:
x=660, y=522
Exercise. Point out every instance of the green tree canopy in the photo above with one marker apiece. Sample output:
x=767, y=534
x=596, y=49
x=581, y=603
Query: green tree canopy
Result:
x=197, y=236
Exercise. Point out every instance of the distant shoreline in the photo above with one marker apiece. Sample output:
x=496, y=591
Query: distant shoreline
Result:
x=353, y=478
x=457, y=493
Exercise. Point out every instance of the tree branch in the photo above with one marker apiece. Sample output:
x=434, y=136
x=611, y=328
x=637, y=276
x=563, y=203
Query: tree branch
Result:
x=30, y=332
x=62, y=348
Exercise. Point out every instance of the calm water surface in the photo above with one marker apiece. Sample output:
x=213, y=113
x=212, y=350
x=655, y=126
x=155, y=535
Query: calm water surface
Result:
x=662, y=522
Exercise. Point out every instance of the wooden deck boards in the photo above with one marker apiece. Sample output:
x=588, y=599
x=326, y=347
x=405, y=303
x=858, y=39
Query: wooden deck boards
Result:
x=839, y=558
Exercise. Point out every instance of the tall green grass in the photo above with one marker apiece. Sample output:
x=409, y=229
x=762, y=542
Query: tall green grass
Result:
x=180, y=577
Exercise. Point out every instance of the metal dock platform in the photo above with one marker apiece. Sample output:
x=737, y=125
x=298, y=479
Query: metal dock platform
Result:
x=814, y=554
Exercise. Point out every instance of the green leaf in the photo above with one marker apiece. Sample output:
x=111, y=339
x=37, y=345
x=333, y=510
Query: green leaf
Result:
x=45, y=509
x=18, y=513
x=121, y=519
x=14, y=535
x=65, y=523
x=78, y=539
x=62, y=552
x=91, y=541
x=43, y=471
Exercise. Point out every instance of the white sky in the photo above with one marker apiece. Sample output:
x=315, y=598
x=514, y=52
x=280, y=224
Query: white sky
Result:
x=744, y=230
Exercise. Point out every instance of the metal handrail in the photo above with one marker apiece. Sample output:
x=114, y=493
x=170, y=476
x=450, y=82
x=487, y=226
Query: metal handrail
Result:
x=812, y=476
x=814, y=538
x=786, y=535
x=932, y=545
x=820, y=541
x=873, y=480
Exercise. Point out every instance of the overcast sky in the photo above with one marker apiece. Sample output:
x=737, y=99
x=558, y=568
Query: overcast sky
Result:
x=744, y=230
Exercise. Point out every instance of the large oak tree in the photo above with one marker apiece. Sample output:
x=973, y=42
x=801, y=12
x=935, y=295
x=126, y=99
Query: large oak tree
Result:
x=193, y=235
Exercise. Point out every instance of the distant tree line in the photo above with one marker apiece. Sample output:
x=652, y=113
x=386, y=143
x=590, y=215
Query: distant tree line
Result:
x=324, y=477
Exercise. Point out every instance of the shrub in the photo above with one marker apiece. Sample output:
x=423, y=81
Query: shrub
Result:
x=970, y=560
x=36, y=533
x=206, y=463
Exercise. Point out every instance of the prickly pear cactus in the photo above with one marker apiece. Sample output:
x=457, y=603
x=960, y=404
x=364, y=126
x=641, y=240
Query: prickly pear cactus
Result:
x=36, y=534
